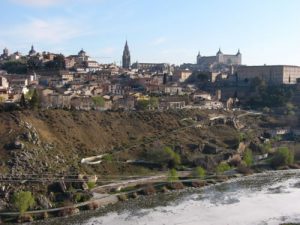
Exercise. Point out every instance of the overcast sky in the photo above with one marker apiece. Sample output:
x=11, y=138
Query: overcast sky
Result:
x=173, y=31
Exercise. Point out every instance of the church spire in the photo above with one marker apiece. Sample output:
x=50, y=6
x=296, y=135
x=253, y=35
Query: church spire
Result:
x=126, y=57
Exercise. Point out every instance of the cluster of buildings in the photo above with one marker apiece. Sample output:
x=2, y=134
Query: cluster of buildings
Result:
x=78, y=82
x=85, y=84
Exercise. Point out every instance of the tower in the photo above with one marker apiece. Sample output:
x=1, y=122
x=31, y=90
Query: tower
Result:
x=220, y=58
x=198, y=57
x=126, y=57
x=239, y=57
x=5, y=52
x=32, y=52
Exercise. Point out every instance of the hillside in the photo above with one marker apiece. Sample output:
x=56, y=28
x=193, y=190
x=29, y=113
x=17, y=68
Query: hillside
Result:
x=41, y=151
x=56, y=140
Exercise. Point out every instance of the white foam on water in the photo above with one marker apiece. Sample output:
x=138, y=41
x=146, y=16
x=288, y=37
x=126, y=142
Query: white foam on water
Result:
x=250, y=208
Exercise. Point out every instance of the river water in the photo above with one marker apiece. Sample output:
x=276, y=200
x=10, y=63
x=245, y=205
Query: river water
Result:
x=271, y=198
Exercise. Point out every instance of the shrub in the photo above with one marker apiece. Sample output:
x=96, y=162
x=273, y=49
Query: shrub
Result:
x=142, y=104
x=98, y=101
x=81, y=197
x=248, y=157
x=222, y=167
x=173, y=157
x=108, y=158
x=23, y=200
x=34, y=101
x=199, y=172
x=91, y=184
x=282, y=157
x=173, y=175
x=266, y=147
x=242, y=137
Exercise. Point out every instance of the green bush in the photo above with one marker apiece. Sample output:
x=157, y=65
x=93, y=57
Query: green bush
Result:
x=142, y=104
x=199, y=172
x=173, y=157
x=99, y=101
x=248, y=157
x=35, y=100
x=81, y=197
x=222, y=167
x=91, y=185
x=266, y=147
x=242, y=137
x=173, y=175
x=23, y=200
x=108, y=158
x=282, y=157
x=165, y=157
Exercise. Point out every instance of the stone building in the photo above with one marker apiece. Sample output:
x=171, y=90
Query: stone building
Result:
x=219, y=58
x=182, y=75
x=126, y=60
x=272, y=75
x=32, y=52
x=152, y=67
x=5, y=54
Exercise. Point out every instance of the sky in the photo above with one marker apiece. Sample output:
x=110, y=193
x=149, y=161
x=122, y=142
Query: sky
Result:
x=171, y=31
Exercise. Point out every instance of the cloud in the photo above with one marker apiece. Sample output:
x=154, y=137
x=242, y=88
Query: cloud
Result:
x=159, y=41
x=50, y=31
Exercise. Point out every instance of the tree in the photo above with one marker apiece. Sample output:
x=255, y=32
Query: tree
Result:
x=99, y=101
x=15, y=67
x=199, y=172
x=142, y=104
x=154, y=102
x=23, y=200
x=282, y=157
x=23, y=103
x=34, y=101
x=173, y=157
x=173, y=175
x=248, y=157
x=222, y=167
x=58, y=63
x=2, y=99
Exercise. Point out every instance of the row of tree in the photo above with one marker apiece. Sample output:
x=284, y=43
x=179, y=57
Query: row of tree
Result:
x=34, y=63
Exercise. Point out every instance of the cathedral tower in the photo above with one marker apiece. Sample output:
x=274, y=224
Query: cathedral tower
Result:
x=126, y=57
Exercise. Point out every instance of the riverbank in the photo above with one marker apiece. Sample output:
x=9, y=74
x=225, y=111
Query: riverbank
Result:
x=130, y=190
x=232, y=202
x=114, y=194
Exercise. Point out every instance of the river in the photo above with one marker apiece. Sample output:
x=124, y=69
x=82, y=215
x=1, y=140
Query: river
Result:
x=270, y=198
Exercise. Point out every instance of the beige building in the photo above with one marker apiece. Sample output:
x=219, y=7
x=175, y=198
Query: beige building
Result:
x=276, y=75
x=182, y=75
x=3, y=83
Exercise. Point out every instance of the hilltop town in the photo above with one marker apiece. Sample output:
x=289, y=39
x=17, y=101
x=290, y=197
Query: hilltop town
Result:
x=78, y=82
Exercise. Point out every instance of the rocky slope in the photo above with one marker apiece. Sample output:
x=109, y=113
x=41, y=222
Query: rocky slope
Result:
x=39, y=149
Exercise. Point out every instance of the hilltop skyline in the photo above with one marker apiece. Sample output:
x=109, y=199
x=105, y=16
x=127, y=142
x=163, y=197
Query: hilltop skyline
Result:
x=168, y=31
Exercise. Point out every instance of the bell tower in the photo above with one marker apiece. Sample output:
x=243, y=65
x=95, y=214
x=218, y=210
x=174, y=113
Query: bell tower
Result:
x=126, y=57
